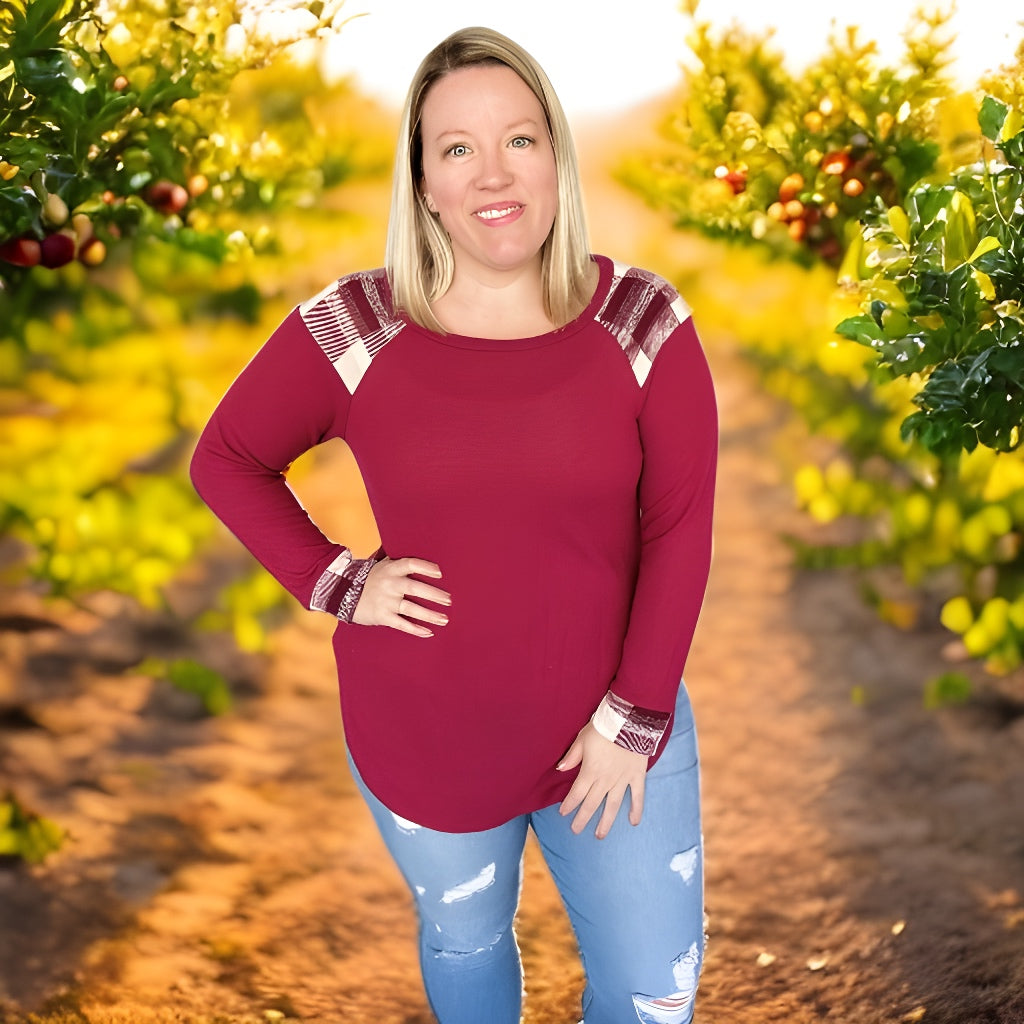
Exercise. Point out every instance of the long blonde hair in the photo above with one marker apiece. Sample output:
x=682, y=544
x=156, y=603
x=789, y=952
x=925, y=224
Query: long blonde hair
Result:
x=418, y=255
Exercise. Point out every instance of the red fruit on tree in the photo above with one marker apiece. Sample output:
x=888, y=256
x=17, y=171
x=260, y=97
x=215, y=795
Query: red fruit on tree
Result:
x=737, y=181
x=853, y=187
x=830, y=248
x=57, y=249
x=836, y=162
x=22, y=252
x=797, y=229
x=167, y=196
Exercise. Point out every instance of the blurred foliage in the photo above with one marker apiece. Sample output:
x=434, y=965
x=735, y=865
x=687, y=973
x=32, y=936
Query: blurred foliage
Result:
x=150, y=150
x=25, y=835
x=915, y=401
x=191, y=676
x=755, y=153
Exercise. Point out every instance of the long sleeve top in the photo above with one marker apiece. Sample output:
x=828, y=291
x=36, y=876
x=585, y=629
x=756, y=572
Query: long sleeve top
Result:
x=564, y=485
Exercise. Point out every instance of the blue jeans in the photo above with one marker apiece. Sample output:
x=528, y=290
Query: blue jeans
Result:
x=635, y=900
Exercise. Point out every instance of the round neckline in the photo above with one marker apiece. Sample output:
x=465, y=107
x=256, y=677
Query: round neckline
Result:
x=604, y=266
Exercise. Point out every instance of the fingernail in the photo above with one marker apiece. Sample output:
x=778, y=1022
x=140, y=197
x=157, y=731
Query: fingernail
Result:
x=444, y=620
x=426, y=633
x=560, y=767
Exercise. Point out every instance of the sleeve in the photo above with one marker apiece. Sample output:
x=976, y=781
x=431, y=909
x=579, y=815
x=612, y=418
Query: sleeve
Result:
x=678, y=425
x=287, y=400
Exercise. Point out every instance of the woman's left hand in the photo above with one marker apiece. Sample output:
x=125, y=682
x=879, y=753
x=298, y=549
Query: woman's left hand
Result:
x=606, y=771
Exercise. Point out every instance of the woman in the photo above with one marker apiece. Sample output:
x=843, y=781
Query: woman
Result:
x=536, y=428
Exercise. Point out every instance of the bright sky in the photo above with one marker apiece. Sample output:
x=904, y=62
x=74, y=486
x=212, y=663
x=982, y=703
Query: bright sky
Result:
x=604, y=56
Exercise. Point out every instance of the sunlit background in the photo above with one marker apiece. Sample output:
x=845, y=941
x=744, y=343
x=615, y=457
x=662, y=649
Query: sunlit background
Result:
x=602, y=58
x=180, y=839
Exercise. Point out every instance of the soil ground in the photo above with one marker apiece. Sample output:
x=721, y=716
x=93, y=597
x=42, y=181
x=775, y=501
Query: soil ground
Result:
x=865, y=857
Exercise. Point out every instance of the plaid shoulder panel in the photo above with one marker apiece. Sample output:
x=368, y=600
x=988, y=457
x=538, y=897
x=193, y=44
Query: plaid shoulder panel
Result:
x=352, y=320
x=641, y=311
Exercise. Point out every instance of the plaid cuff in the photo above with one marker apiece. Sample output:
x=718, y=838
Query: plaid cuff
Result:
x=636, y=729
x=338, y=590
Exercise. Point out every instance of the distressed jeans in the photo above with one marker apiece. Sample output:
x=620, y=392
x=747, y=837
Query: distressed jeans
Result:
x=635, y=900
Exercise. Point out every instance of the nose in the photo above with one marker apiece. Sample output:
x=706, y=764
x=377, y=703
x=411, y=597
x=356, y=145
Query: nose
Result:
x=493, y=169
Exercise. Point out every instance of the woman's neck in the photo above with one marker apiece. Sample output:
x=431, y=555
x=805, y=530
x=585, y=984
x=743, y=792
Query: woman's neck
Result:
x=510, y=308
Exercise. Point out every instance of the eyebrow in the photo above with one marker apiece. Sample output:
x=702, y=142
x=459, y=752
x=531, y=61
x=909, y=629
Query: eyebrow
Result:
x=527, y=122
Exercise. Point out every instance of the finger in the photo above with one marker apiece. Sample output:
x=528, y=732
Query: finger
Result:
x=420, y=566
x=424, y=591
x=612, y=803
x=588, y=808
x=405, y=626
x=574, y=797
x=573, y=757
x=410, y=609
x=636, y=801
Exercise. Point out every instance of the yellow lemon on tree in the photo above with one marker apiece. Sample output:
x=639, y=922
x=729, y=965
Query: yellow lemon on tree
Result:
x=957, y=614
x=977, y=640
x=808, y=483
x=917, y=511
x=995, y=617
x=975, y=536
x=997, y=519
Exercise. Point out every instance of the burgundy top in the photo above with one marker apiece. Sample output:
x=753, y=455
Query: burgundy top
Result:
x=564, y=485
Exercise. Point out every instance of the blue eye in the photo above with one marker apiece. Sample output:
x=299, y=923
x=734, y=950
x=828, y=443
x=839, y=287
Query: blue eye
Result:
x=521, y=142
x=458, y=150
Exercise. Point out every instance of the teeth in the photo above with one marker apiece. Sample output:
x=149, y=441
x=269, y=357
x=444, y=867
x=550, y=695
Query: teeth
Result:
x=495, y=214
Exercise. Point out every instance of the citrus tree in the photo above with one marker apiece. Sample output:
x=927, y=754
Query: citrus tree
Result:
x=910, y=370
x=146, y=150
x=759, y=155
x=156, y=160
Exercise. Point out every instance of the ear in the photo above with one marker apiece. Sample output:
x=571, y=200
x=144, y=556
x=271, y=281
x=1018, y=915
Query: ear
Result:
x=429, y=200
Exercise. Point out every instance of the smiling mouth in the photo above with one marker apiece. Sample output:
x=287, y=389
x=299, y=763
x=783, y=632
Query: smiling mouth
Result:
x=496, y=213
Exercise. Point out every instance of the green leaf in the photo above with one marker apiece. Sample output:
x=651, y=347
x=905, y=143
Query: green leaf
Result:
x=991, y=117
x=862, y=329
x=194, y=677
x=949, y=688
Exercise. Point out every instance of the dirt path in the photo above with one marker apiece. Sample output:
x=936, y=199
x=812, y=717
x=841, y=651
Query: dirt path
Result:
x=865, y=862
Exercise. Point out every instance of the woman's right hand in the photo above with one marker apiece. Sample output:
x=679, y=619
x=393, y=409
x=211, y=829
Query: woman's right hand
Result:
x=388, y=592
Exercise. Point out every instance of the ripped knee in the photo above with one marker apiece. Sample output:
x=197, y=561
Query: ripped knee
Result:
x=453, y=927
x=677, y=1007
x=465, y=956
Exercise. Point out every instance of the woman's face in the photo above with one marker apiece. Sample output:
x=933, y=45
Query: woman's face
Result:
x=489, y=170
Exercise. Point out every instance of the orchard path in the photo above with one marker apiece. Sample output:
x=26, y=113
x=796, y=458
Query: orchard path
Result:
x=865, y=860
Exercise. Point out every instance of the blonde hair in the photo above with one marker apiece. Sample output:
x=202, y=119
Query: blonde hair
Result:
x=418, y=255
